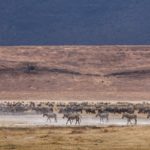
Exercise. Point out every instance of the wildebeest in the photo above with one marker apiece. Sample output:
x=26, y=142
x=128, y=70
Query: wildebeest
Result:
x=89, y=110
x=72, y=116
x=50, y=115
x=130, y=117
x=102, y=116
x=43, y=110
x=144, y=110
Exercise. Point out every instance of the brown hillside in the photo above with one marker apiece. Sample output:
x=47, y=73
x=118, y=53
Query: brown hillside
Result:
x=75, y=72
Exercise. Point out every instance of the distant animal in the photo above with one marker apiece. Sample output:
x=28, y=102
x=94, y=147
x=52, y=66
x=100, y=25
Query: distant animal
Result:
x=130, y=117
x=50, y=116
x=102, y=116
x=71, y=116
x=90, y=110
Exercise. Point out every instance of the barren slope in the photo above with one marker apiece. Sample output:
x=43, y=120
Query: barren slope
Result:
x=75, y=72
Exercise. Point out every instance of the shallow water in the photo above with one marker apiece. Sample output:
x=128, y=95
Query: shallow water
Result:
x=22, y=120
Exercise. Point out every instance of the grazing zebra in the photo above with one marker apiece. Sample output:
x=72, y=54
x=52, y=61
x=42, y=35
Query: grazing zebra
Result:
x=102, y=116
x=50, y=115
x=71, y=116
x=130, y=117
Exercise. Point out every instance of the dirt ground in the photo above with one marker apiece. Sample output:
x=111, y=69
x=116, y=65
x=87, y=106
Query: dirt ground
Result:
x=75, y=138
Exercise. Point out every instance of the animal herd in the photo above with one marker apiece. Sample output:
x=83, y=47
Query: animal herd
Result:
x=74, y=111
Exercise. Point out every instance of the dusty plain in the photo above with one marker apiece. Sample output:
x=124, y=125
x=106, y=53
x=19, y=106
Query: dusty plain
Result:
x=79, y=138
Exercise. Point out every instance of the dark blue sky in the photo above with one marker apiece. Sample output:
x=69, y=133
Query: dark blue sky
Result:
x=56, y=22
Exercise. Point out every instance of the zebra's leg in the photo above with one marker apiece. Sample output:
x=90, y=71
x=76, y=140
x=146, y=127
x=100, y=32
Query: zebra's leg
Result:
x=76, y=121
x=100, y=120
x=127, y=122
x=55, y=119
x=107, y=119
x=79, y=121
x=48, y=119
x=130, y=122
x=67, y=121
x=70, y=121
x=135, y=121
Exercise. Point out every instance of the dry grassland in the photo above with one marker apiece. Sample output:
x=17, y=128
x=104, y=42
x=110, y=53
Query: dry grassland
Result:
x=75, y=138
